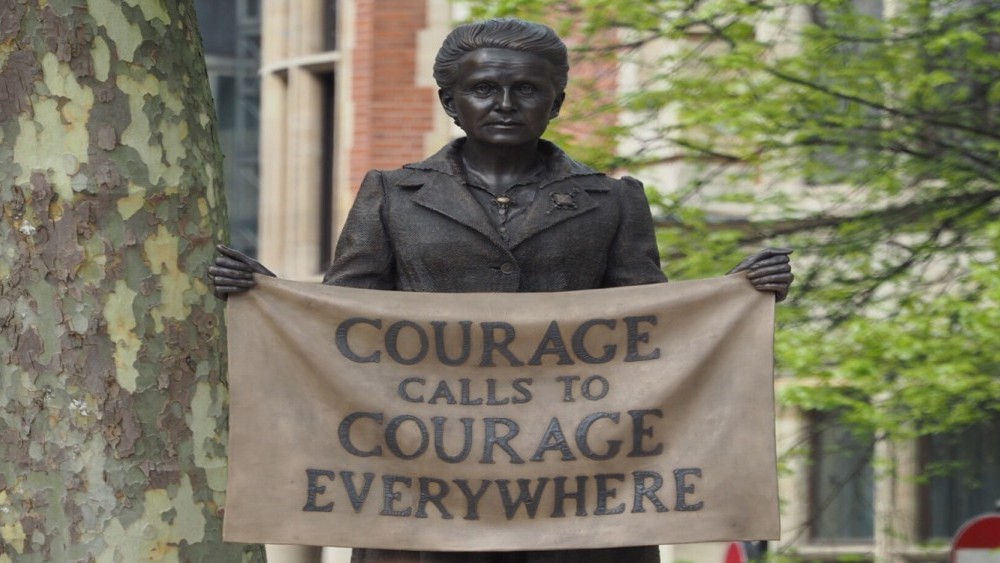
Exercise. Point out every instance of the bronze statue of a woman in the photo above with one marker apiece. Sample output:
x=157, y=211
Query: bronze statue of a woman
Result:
x=499, y=210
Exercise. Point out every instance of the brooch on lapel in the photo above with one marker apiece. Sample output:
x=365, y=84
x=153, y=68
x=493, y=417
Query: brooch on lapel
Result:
x=563, y=201
x=503, y=204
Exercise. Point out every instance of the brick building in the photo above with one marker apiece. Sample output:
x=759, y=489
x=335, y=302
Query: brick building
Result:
x=345, y=89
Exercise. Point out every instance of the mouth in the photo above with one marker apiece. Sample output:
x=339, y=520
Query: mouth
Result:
x=504, y=124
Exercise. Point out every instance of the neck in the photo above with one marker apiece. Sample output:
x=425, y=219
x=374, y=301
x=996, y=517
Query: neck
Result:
x=506, y=164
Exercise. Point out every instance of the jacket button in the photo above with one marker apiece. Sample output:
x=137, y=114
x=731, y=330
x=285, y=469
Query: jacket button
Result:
x=508, y=268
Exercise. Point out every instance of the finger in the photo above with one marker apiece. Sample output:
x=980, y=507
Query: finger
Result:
x=238, y=256
x=233, y=253
x=222, y=281
x=226, y=289
x=762, y=256
x=756, y=273
x=230, y=273
x=224, y=262
x=768, y=252
x=223, y=291
x=770, y=261
x=777, y=250
x=785, y=279
x=773, y=287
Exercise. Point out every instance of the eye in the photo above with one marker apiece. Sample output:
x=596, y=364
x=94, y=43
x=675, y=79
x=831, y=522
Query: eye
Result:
x=526, y=89
x=482, y=89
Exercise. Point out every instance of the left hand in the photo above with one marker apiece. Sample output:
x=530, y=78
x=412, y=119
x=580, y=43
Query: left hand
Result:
x=232, y=272
x=769, y=270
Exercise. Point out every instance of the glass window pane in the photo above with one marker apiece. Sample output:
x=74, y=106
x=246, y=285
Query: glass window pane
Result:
x=328, y=83
x=217, y=22
x=330, y=26
x=964, y=478
x=842, y=483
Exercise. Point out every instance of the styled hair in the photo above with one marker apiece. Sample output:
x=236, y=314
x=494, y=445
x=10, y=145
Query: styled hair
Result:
x=501, y=33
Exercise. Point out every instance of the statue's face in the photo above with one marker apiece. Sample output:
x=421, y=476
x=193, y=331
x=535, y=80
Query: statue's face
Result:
x=503, y=97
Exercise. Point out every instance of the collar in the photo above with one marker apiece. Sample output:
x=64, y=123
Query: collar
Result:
x=558, y=165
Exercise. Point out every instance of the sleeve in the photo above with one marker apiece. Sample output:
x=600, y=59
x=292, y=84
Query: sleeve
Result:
x=633, y=258
x=364, y=256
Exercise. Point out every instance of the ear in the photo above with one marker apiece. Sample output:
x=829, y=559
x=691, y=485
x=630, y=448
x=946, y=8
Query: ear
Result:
x=448, y=102
x=557, y=105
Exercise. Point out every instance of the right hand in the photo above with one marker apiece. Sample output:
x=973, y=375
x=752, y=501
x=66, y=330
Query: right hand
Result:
x=769, y=270
x=233, y=272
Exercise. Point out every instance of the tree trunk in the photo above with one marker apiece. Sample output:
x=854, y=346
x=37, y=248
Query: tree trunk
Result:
x=113, y=406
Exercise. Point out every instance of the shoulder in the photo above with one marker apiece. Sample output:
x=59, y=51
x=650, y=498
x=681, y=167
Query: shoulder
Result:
x=625, y=195
x=383, y=176
x=632, y=192
x=434, y=168
x=631, y=183
x=626, y=187
x=626, y=183
x=404, y=177
x=561, y=165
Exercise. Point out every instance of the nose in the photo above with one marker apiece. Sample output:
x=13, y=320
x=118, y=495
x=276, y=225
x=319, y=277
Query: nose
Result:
x=505, y=102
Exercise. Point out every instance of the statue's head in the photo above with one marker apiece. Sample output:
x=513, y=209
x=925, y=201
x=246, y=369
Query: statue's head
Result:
x=505, y=33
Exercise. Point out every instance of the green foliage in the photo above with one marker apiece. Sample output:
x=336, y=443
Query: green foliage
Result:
x=869, y=141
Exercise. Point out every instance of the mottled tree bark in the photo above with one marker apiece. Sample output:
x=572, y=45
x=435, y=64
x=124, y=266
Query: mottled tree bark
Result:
x=113, y=404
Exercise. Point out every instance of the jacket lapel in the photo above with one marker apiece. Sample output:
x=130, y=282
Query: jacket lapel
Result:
x=556, y=202
x=444, y=194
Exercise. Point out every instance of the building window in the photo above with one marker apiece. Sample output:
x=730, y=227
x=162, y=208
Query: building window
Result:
x=330, y=26
x=326, y=208
x=836, y=155
x=841, y=484
x=962, y=478
x=231, y=38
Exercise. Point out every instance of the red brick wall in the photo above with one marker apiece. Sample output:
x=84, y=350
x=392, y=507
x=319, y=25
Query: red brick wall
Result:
x=391, y=114
x=591, y=95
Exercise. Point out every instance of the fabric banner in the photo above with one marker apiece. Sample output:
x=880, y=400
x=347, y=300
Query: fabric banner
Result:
x=495, y=422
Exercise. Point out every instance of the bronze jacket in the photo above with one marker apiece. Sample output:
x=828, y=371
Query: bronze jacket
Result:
x=418, y=228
